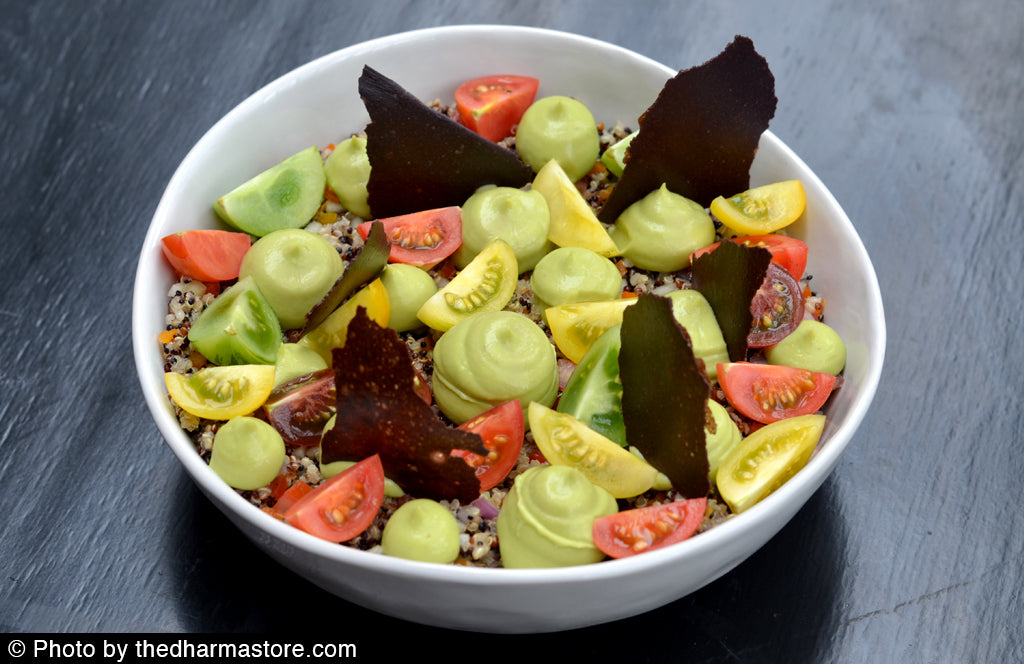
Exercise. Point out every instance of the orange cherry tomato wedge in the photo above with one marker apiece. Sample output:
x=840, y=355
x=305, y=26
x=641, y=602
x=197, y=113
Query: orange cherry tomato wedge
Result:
x=788, y=252
x=206, y=255
x=344, y=506
x=648, y=528
x=492, y=105
x=767, y=393
x=502, y=429
x=423, y=239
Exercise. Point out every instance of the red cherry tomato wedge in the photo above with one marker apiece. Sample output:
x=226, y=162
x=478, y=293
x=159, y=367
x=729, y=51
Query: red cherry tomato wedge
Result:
x=767, y=393
x=423, y=239
x=293, y=494
x=502, y=429
x=492, y=105
x=788, y=252
x=344, y=506
x=648, y=528
x=778, y=308
x=206, y=255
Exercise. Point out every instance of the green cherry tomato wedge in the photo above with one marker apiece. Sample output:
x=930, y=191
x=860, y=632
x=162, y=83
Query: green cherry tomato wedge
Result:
x=502, y=429
x=343, y=506
x=286, y=195
x=239, y=327
x=565, y=441
x=761, y=210
x=648, y=528
x=593, y=394
x=767, y=392
x=486, y=284
x=206, y=255
x=767, y=459
x=423, y=239
x=492, y=105
x=221, y=393
x=788, y=252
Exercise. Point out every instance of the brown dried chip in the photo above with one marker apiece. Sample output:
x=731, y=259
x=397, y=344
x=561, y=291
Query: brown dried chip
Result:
x=421, y=159
x=664, y=394
x=728, y=278
x=700, y=135
x=379, y=412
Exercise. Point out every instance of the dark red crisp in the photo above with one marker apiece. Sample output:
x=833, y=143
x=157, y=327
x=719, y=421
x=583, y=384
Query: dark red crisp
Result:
x=379, y=412
x=664, y=394
x=700, y=135
x=421, y=159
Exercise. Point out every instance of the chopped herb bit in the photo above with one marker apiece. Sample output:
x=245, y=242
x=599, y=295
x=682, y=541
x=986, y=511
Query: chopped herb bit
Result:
x=381, y=413
x=421, y=159
x=664, y=394
x=729, y=278
x=700, y=135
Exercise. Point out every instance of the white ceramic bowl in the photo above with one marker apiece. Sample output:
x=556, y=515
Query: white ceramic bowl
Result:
x=318, y=103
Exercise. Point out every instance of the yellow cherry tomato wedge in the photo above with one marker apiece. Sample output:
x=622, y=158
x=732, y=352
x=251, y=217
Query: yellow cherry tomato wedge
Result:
x=331, y=333
x=573, y=222
x=486, y=284
x=221, y=393
x=767, y=459
x=576, y=326
x=565, y=441
x=761, y=210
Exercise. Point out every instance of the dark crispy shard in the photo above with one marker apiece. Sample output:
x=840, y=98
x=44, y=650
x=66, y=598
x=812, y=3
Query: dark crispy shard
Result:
x=664, y=394
x=372, y=259
x=421, y=159
x=728, y=278
x=379, y=412
x=700, y=135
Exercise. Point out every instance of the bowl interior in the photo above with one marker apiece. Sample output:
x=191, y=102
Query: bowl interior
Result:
x=319, y=103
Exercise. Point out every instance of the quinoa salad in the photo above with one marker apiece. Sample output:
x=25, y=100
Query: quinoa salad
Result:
x=478, y=541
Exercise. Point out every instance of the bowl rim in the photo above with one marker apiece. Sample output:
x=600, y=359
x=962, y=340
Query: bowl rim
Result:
x=805, y=482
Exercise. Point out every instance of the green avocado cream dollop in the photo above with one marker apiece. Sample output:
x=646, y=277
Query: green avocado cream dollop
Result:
x=547, y=518
x=661, y=230
x=813, y=346
x=693, y=312
x=423, y=530
x=490, y=358
x=518, y=217
x=574, y=274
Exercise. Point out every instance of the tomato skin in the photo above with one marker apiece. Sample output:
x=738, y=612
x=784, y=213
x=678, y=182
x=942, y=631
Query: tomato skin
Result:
x=768, y=393
x=492, y=105
x=206, y=255
x=503, y=429
x=648, y=528
x=788, y=252
x=344, y=506
x=423, y=239
x=778, y=308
